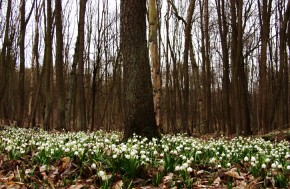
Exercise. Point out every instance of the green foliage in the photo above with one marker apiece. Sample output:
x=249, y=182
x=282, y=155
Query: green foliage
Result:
x=104, y=155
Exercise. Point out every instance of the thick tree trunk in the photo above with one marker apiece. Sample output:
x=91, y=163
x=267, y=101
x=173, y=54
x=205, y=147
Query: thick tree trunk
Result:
x=5, y=53
x=138, y=97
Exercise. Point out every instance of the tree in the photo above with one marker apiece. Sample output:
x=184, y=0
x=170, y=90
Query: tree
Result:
x=76, y=83
x=241, y=110
x=5, y=60
x=206, y=67
x=264, y=15
x=81, y=103
x=59, y=66
x=155, y=60
x=187, y=39
x=223, y=31
x=138, y=97
x=48, y=67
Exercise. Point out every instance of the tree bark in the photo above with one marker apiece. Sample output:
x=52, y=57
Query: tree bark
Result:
x=60, y=88
x=48, y=67
x=81, y=101
x=187, y=41
x=155, y=60
x=138, y=97
x=265, y=15
x=223, y=31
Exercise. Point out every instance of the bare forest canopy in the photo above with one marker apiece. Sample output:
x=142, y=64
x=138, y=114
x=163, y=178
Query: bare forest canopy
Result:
x=216, y=65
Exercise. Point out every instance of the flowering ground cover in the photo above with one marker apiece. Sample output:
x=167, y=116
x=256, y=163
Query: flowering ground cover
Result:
x=39, y=159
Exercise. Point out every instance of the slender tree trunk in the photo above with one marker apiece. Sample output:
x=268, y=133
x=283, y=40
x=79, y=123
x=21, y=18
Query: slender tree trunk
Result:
x=35, y=80
x=204, y=102
x=265, y=15
x=187, y=34
x=48, y=68
x=22, y=65
x=240, y=90
x=81, y=101
x=155, y=60
x=223, y=30
x=60, y=88
x=209, y=123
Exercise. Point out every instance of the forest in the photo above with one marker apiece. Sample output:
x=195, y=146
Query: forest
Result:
x=216, y=66
x=144, y=94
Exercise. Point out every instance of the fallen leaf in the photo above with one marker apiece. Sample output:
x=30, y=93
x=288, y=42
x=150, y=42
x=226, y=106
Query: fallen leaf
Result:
x=64, y=164
x=167, y=178
x=252, y=185
x=118, y=185
x=78, y=186
x=200, y=172
x=234, y=174
x=241, y=183
x=42, y=168
x=217, y=182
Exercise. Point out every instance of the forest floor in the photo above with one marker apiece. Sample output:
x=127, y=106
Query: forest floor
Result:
x=38, y=159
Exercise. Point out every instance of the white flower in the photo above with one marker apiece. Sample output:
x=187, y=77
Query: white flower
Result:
x=185, y=165
x=114, y=156
x=246, y=158
x=93, y=166
x=212, y=160
x=133, y=153
x=228, y=164
x=76, y=153
x=198, y=152
x=273, y=165
x=267, y=160
x=288, y=167
x=177, y=168
x=189, y=169
x=253, y=159
x=219, y=166
x=264, y=166
x=143, y=156
x=8, y=148
x=101, y=173
x=127, y=156
x=280, y=166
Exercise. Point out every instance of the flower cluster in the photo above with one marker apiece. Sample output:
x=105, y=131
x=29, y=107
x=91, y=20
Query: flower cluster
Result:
x=175, y=153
